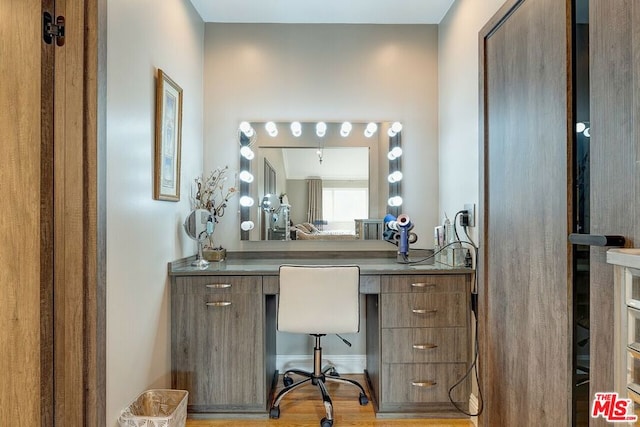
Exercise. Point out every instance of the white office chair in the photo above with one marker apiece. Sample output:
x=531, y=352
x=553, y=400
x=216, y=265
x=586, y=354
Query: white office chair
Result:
x=318, y=300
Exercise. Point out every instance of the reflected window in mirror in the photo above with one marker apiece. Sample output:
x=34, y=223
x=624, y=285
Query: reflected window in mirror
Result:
x=336, y=178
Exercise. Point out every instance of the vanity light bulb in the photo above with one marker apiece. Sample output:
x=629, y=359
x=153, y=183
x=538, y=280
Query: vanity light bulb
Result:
x=321, y=129
x=271, y=129
x=580, y=127
x=345, y=129
x=246, y=201
x=587, y=132
x=396, y=127
x=247, y=225
x=370, y=130
x=391, y=133
x=296, y=129
x=247, y=153
x=245, y=127
x=246, y=176
x=395, y=201
x=394, y=153
x=395, y=177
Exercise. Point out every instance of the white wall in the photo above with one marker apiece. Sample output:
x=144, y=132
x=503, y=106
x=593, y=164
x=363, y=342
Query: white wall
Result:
x=458, y=63
x=144, y=234
x=459, y=115
x=458, y=103
x=280, y=72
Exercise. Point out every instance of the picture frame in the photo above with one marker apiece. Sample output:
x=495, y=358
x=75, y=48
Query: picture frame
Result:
x=168, y=139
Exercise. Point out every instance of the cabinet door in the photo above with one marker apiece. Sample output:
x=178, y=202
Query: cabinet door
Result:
x=218, y=350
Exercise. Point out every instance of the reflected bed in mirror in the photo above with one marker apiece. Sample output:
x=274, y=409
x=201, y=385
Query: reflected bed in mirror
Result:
x=332, y=180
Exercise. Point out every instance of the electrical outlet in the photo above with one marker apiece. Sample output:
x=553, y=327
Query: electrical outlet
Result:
x=471, y=214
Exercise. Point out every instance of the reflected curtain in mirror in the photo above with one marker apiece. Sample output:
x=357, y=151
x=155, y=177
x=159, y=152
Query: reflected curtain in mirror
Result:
x=314, y=191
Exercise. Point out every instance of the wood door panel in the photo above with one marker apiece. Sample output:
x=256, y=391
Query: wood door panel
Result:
x=615, y=145
x=20, y=233
x=525, y=287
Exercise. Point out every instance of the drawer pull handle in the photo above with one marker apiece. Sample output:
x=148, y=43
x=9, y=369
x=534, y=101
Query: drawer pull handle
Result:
x=218, y=304
x=424, y=383
x=427, y=346
x=219, y=286
x=423, y=285
x=424, y=311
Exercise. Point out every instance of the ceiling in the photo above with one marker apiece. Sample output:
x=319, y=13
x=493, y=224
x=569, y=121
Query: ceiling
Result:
x=324, y=11
x=343, y=163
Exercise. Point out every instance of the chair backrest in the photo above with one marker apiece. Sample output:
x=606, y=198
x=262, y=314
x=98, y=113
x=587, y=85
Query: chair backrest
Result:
x=319, y=299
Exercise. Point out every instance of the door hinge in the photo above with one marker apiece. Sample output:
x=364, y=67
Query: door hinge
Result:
x=51, y=30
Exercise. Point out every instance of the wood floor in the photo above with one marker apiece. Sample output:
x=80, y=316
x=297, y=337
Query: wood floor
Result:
x=304, y=408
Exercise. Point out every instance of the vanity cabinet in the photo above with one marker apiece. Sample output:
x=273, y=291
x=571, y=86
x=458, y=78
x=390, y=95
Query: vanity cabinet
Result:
x=217, y=350
x=223, y=329
x=418, y=343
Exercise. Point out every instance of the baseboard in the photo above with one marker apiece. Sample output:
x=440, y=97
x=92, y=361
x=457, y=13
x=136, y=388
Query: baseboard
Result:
x=344, y=363
x=473, y=408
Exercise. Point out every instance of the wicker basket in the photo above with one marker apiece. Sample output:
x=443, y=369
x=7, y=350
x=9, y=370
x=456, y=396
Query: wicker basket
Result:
x=156, y=408
x=214, y=254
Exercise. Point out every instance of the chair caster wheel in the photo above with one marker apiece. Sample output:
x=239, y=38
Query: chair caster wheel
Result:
x=287, y=381
x=326, y=423
x=274, y=412
x=333, y=373
x=363, y=399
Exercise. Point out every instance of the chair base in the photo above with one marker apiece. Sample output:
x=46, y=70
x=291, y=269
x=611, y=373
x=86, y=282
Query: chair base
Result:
x=318, y=377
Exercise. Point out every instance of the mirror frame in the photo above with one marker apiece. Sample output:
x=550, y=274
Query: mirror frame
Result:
x=248, y=136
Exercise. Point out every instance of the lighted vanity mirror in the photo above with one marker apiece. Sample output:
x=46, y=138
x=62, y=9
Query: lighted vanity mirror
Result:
x=333, y=178
x=199, y=226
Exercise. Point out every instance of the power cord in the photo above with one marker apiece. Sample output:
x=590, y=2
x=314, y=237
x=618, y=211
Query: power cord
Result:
x=406, y=260
x=473, y=366
x=474, y=309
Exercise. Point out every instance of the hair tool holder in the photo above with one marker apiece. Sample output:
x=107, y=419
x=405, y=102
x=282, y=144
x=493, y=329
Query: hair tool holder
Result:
x=398, y=231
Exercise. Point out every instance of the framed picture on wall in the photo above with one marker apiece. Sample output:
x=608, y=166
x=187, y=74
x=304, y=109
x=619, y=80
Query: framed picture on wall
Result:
x=168, y=139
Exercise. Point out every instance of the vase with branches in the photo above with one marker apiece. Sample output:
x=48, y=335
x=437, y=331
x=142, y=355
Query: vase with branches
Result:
x=213, y=192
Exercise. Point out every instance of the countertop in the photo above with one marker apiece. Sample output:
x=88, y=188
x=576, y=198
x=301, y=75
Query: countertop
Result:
x=268, y=266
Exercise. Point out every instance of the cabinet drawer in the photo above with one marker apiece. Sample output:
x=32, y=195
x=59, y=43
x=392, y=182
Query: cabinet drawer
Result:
x=423, y=383
x=424, y=345
x=424, y=283
x=423, y=310
x=204, y=285
x=369, y=284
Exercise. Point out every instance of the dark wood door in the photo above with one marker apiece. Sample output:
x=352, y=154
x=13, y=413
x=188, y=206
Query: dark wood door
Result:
x=614, y=31
x=525, y=283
